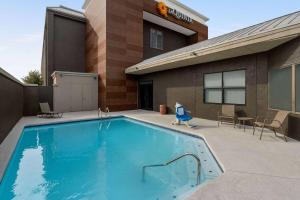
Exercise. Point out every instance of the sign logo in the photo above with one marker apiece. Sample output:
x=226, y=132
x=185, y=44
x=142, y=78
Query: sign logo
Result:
x=164, y=10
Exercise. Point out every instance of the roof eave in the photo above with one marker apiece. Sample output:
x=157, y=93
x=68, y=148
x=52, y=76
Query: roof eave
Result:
x=144, y=68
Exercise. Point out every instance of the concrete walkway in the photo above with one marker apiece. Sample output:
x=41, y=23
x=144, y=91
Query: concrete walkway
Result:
x=254, y=169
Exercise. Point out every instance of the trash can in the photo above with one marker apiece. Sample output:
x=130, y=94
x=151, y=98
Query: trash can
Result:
x=163, y=109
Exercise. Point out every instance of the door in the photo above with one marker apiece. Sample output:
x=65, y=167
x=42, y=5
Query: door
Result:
x=146, y=95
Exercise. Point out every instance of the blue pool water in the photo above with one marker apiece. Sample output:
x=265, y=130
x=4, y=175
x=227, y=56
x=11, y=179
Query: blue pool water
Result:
x=103, y=160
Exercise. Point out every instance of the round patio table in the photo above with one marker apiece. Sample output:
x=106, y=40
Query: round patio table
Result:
x=244, y=120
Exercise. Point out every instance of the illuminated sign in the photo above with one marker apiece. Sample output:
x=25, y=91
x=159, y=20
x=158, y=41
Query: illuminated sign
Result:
x=164, y=10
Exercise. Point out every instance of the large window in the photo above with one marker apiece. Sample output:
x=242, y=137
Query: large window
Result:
x=298, y=88
x=280, y=88
x=156, y=39
x=225, y=87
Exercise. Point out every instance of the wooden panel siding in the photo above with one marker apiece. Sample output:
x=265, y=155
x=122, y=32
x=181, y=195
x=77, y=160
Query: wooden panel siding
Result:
x=96, y=45
x=115, y=41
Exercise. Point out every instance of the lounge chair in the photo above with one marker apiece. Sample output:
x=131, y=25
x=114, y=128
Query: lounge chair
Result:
x=275, y=124
x=227, y=114
x=46, y=112
x=182, y=116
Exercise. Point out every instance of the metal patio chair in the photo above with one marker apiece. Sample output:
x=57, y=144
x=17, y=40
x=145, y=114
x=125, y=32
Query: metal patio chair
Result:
x=47, y=113
x=274, y=124
x=227, y=114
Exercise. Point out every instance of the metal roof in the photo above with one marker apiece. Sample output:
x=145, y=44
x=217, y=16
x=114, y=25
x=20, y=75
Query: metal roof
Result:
x=282, y=22
x=68, y=11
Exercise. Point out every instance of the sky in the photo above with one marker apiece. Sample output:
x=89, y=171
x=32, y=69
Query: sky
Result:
x=22, y=24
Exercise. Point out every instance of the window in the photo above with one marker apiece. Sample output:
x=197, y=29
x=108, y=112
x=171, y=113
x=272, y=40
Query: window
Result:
x=234, y=84
x=280, y=89
x=156, y=39
x=297, y=88
x=213, y=88
x=225, y=87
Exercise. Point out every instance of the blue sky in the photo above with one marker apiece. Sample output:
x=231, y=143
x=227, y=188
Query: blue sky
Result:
x=22, y=24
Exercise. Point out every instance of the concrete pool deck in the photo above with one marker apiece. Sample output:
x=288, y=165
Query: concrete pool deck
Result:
x=254, y=169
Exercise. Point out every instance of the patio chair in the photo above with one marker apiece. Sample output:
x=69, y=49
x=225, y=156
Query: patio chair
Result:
x=46, y=112
x=227, y=114
x=275, y=124
x=182, y=115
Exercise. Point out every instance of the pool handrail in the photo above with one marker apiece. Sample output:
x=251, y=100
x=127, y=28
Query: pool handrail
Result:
x=175, y=159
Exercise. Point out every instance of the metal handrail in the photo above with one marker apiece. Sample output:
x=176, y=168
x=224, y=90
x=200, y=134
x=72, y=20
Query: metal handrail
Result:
x=182, y=156
x=107, y=115
x=99, y=113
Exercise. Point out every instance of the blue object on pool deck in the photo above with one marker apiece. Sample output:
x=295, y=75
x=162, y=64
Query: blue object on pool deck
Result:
x=182, y=115
x=103, y=160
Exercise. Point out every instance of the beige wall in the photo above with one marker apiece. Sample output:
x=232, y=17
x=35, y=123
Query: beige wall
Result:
x=73, y=93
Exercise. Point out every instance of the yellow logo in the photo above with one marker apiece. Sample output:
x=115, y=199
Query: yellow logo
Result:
x=162, y=8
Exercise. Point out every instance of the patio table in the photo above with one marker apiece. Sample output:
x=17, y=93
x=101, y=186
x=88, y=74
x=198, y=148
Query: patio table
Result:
x=244, y=120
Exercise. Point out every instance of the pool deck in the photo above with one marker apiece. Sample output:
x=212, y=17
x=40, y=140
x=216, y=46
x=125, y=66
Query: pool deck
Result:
x=256, y=170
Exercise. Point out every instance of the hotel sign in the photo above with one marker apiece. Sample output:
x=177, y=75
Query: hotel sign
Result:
x=165, y=11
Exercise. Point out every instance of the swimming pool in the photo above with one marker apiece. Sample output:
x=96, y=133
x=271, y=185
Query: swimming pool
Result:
x=104, y=160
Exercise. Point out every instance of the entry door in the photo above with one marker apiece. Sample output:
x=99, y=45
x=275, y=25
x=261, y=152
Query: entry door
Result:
x=146, y=95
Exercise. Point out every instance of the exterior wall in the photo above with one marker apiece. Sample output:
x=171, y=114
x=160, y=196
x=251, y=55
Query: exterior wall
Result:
x=185, y=85
x=114, y=41
x=96, y=45
x=11, y=104
x=17, y=100
x=286, y=54
x=124, y=49
x=65, y=45
x=172, y=40
x=75, y=92
x=35, y=95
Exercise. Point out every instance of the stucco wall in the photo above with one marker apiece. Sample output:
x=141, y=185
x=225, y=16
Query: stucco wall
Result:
x=11, y=104
x=185, y=85
x=64, y=45
x=17, y=100
x=35, y=95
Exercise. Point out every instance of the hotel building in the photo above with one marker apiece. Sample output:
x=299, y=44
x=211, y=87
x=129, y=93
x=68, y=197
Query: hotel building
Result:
x=147, y=53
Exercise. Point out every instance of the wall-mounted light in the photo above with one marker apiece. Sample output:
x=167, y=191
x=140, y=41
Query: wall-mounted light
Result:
x=194, y=54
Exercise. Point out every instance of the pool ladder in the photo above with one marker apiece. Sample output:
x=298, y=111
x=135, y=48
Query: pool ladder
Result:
x=100, y=115
x=174, y=160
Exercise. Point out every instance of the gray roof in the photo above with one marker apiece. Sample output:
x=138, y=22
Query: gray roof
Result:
x=268, y=26
x=68, y=11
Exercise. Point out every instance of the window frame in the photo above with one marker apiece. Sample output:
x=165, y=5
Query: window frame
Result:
x=293, y=91
x=156, y=46
x=293, y=67
x=294, y=84
x=225, y=88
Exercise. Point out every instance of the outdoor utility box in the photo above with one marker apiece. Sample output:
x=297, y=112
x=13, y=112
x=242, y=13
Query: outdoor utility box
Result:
x=74, y=91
